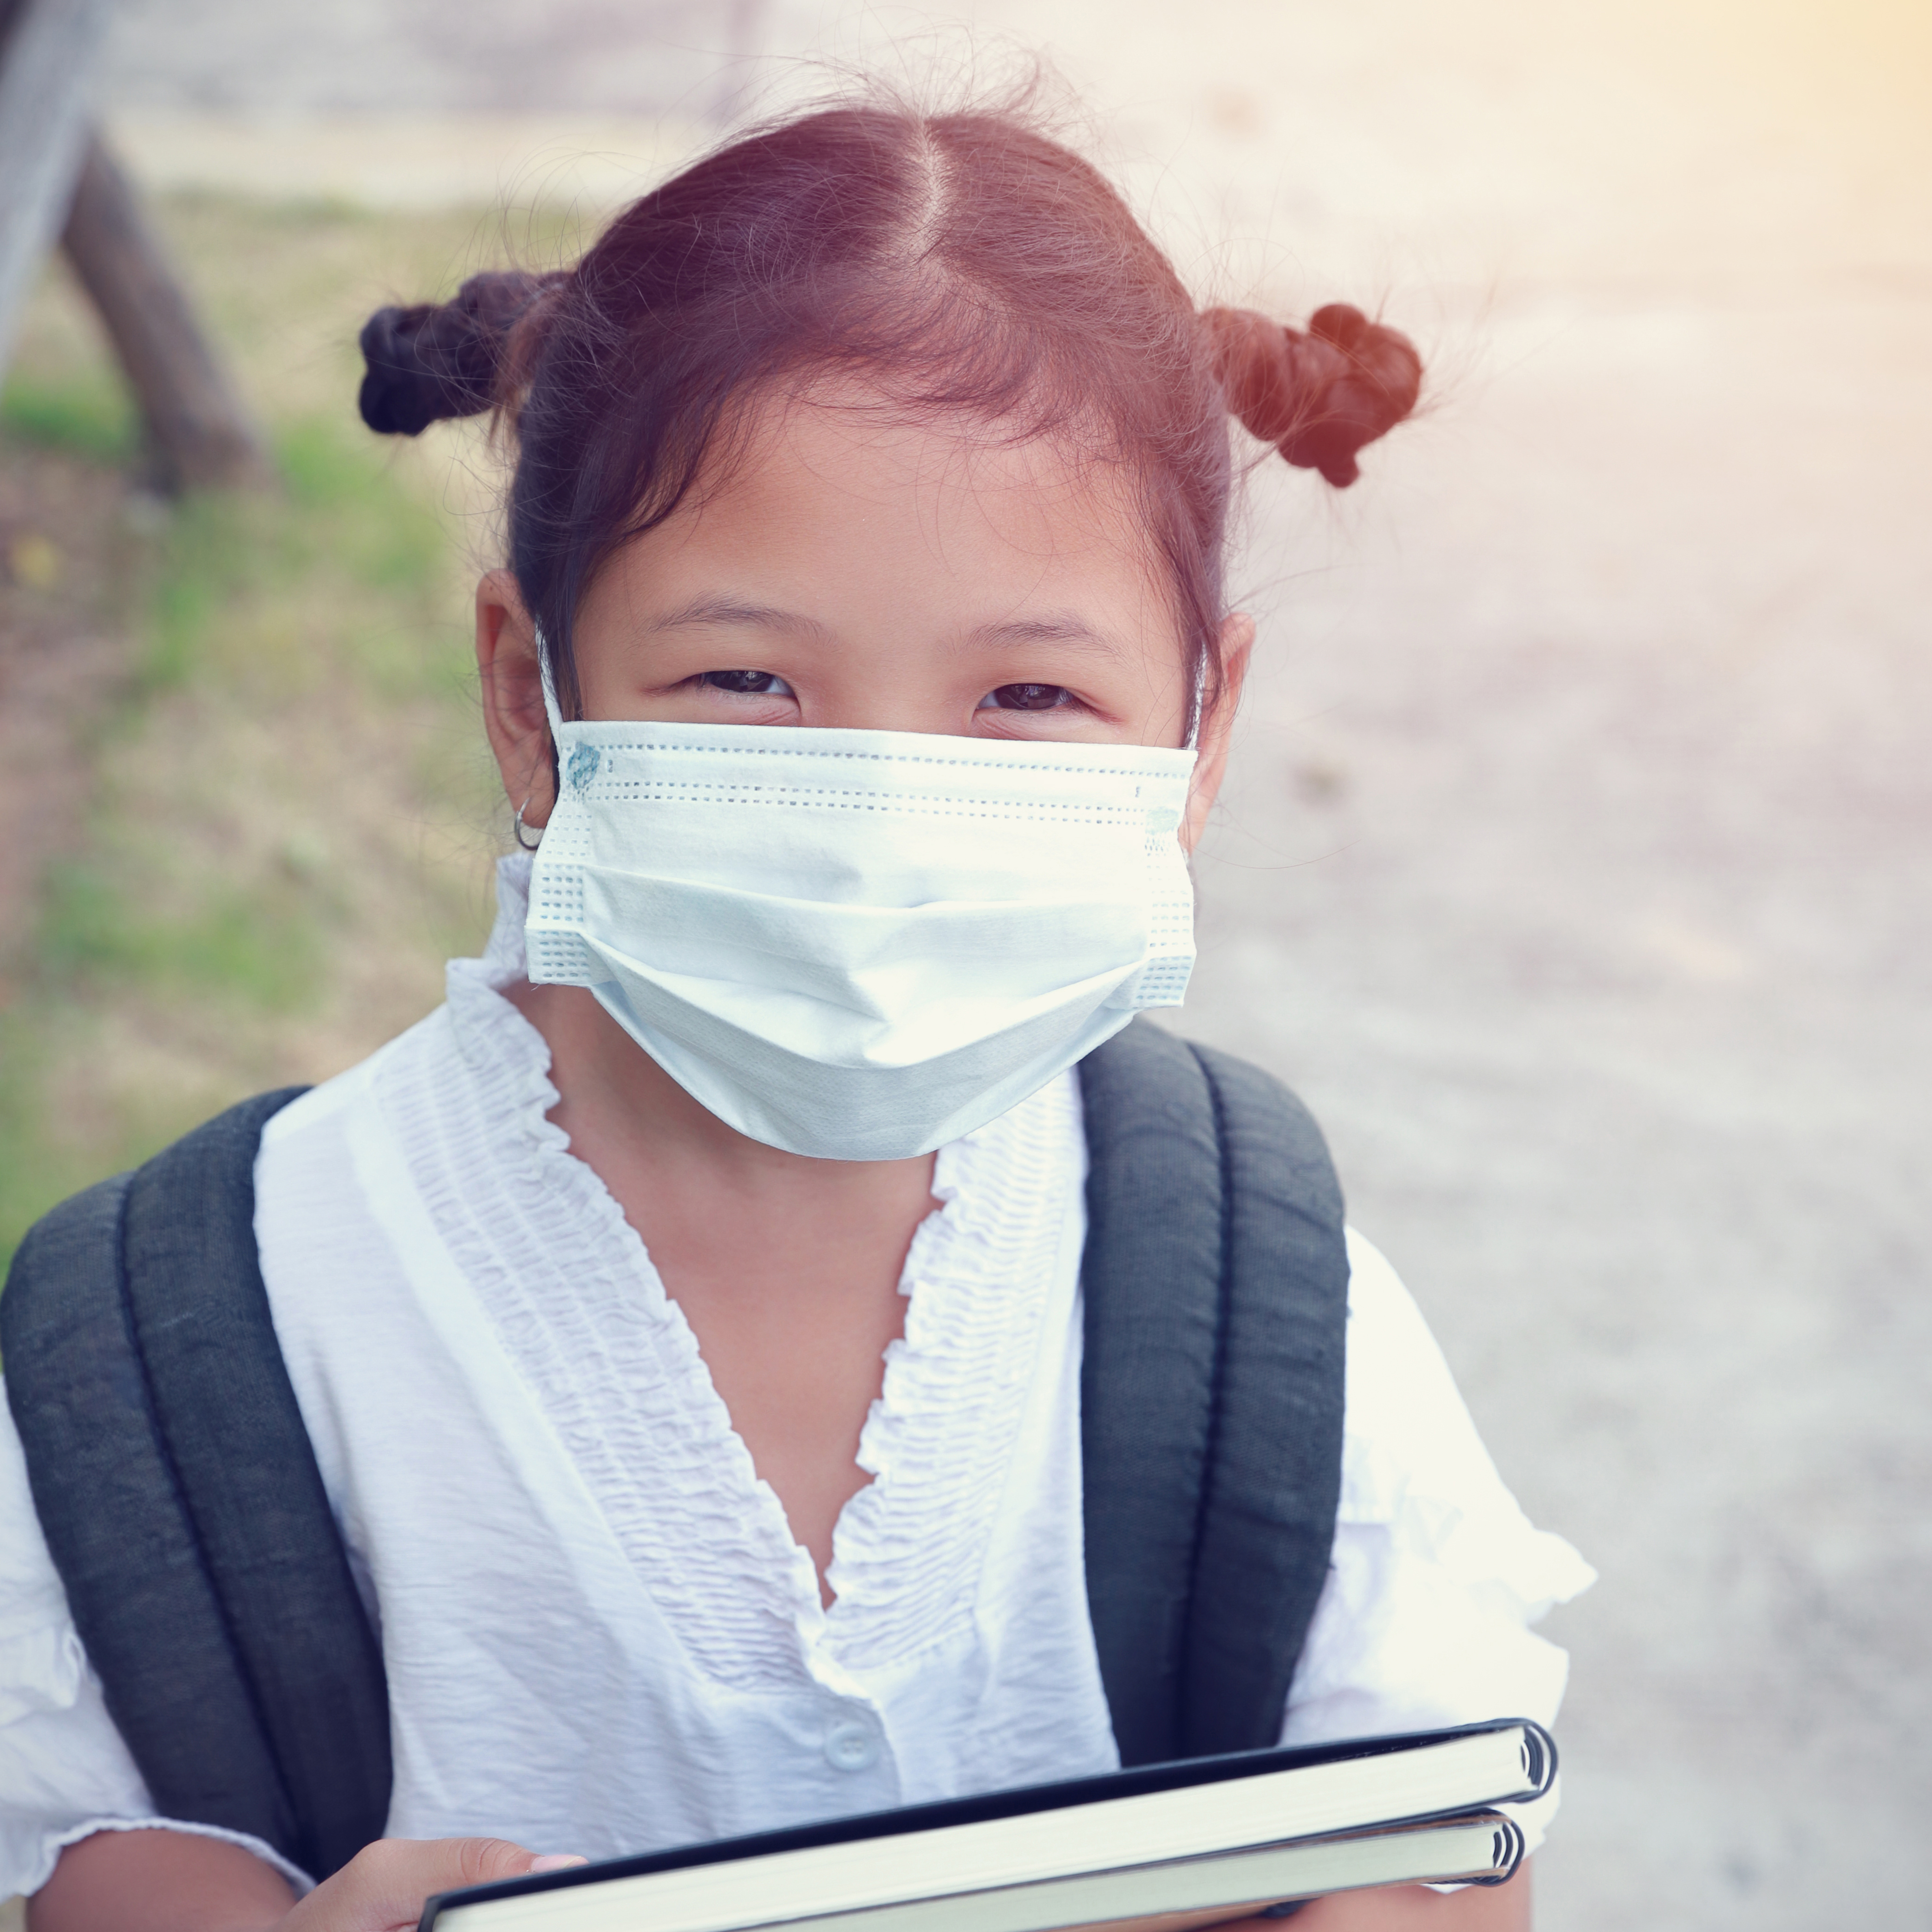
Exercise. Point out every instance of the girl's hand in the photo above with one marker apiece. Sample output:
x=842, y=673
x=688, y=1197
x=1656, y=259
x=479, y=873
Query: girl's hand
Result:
x=382, y=1888
x=162, y=1881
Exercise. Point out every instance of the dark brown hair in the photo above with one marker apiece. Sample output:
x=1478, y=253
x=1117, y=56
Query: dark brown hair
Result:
x=957, y=262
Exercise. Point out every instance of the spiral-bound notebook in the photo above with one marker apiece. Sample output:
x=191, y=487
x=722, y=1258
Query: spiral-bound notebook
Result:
x=1188, y=1844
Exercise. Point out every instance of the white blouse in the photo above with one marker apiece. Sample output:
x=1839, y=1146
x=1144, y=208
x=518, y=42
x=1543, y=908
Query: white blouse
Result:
x=600, y=1635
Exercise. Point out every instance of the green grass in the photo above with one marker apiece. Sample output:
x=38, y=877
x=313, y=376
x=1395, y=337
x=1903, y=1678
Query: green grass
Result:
x=38, y=1167
x=261, y=948
x=343, y=523
x=88, y=414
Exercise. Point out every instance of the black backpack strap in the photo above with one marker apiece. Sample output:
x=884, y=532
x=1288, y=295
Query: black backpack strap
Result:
x=1216, y=1283
x=181, y=1502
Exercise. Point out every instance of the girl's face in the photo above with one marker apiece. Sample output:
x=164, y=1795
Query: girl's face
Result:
x=853, y=571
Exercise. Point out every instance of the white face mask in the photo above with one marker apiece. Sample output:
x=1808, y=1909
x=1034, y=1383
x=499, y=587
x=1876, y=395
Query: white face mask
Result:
x=861, y=945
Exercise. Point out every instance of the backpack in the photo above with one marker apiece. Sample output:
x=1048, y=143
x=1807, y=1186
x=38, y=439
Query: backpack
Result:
x=183, y=1508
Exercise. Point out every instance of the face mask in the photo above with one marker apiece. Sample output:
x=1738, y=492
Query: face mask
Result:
x=860, y=945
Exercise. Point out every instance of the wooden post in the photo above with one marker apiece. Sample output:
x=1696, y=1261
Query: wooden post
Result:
x=199, y=434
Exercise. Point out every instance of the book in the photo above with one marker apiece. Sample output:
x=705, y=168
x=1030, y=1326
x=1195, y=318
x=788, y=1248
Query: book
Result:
x=1187, y=1843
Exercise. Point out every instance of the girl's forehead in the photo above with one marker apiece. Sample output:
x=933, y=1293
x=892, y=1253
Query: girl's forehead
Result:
x=852, y=517
x=852, y=464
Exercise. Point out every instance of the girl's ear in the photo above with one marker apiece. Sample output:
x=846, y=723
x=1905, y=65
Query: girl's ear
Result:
x=511, y=675
x=1217, y=726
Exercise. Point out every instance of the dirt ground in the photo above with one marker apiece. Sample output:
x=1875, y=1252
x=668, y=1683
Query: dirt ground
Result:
x=1575, y=864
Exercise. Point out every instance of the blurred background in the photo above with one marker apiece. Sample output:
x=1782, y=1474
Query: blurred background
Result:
x=1575, y=863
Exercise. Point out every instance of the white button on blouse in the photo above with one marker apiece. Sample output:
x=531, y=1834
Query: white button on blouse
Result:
x=600, y=1635
x=851, y=1747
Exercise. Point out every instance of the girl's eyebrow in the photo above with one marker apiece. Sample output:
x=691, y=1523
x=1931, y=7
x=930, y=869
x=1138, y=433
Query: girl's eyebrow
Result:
x=734, y=611
x=1067, y=629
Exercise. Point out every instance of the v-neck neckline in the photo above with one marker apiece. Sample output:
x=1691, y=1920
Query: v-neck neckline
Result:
x=570, y=1289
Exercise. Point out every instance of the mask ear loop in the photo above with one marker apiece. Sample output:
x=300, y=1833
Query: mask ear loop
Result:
x=1197, y=716
x=1197, y=708
x=553, y=713
x=551, y=710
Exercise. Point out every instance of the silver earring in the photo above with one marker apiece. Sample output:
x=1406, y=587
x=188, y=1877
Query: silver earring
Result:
x=528, y=844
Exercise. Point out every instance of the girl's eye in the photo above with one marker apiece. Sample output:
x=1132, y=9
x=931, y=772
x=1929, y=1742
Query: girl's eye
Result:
x=1024, y=697
x=748, y=683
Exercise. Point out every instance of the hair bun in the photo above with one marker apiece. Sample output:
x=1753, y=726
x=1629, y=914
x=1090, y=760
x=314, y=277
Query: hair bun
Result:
x=1318, y=397
x=443, y=359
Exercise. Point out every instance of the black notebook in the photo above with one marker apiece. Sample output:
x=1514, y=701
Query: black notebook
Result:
x=1189, y=1842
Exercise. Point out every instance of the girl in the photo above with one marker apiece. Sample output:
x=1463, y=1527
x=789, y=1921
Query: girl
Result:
x=687, y=1316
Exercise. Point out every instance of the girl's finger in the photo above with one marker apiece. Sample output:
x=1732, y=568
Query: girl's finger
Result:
x=382, y=1888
